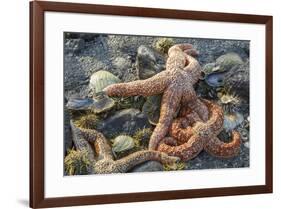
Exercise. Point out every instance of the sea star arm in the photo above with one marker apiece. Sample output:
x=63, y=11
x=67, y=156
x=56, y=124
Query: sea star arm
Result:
x=169, y=140
x=193, y=68
x=214, y=125
x=200, y=108
x=80, y=142
x=151, y=86
x=181, y=128
x=170, y=102
x=186, y=48
x=184, y=151
x=130, y=161
x=182, y=134
x=100, y=143
x=221, y=149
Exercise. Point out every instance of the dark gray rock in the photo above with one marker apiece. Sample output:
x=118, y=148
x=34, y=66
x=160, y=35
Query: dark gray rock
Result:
x=150, y=166
x=149, y=62
x=68, y=143
x=84, y=36
x=126, y=121
x=74, y=45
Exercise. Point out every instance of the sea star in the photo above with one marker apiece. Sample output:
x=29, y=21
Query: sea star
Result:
x=176, y=84
x=188, y=141
x=104, y=163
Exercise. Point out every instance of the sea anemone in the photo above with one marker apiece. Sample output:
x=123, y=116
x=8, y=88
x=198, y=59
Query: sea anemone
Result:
x=142, y=136
x=229, y=101
x=163, y=44
x=232, y=120
x=175, y=166
x=88, y=121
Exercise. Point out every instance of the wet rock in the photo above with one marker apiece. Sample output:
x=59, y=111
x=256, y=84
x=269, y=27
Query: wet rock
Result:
x=67, y=133
x=148, y=62
x=124, y=68
x=74, y=45
x=84, y=36
x=122, y=63
x=237, y=79
x=152, y=108
x=126, y=121
x=149, y=166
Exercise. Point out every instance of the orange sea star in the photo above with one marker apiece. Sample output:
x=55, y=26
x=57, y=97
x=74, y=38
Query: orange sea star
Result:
x=188, y=141
x=176, y=84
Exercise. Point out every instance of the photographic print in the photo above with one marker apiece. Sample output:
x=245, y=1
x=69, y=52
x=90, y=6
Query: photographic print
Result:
x=141, y=95
x=148, y=103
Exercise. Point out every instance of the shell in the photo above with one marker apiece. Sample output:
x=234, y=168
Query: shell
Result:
x=247, y=144
x=208, y=68
x=244, y=133
x=215, y=79
x=231, y=121
x=122, y=143
x=152, y=108
x=216, y=72
x=97, y=105
x=80, y=104
x=103, y=104
x=101, y=79
x=227, y=61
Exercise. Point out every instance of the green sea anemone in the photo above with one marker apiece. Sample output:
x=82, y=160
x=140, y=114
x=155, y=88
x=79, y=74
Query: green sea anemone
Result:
x=142, y=136
x=163, y=44
x=175, y=167
x=88, y=121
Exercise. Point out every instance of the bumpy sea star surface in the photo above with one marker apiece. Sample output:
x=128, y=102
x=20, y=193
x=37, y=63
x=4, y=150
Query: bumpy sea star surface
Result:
x=104, y=161
x=188, y=141
x=176, y=84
